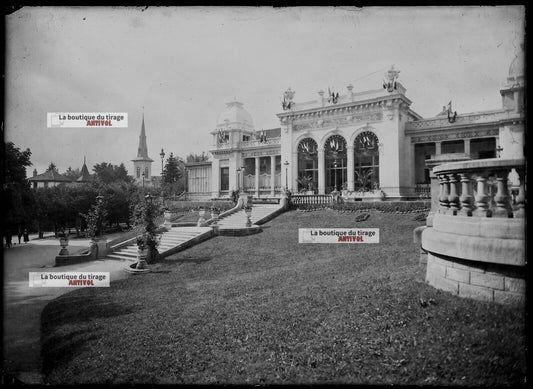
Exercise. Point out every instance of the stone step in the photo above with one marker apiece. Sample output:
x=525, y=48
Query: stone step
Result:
x=117, y=256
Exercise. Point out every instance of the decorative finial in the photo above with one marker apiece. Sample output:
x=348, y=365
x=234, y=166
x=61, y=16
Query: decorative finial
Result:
x=287, y=102
x=391, y=76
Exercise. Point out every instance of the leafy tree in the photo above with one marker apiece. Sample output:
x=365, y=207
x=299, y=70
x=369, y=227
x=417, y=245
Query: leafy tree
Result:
x=107, y=173
x=96, y=218
x=173, y=169
x=72, y=174
x=197, y=157
x=173, y=176
x=52, y=166
x=18, y=199
x=143, y=213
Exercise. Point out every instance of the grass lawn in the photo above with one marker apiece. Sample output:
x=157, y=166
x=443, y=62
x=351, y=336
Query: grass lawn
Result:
x=263, y=309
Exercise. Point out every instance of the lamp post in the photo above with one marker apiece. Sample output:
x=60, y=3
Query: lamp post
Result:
x=335, y=172
x=286, y=163
x=162, y=155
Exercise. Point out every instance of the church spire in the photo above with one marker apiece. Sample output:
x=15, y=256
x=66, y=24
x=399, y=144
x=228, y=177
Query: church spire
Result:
x=142, y=151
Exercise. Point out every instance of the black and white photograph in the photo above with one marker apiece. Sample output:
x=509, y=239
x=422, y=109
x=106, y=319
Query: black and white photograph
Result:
x=260, y=195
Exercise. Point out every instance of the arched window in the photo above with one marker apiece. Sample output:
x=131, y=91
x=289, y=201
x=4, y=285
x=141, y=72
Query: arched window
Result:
x=307, y=165
x=138, y=172
x=146, y=172
x=366, y=161
x=336, y=162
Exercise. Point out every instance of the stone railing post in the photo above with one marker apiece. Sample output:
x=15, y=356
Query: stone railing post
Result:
x=453, y=198
x=443, y=193
x=466, y=195
x=503, y=208
x=482, y=204
x=520, y=211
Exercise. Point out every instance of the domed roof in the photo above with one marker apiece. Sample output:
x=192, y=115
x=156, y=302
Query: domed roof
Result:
x=517, y=66
x=235, y=113
x=516, y=70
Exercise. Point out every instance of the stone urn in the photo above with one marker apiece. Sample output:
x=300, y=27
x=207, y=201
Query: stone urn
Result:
x=248, y=213
x=214, y=216
x=141, y=258
x=167, y=215
x=63, y=242
x=98, y=246
x=201, y=220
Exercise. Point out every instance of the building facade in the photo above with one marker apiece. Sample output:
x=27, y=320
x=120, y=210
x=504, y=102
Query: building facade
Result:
x=368, y=142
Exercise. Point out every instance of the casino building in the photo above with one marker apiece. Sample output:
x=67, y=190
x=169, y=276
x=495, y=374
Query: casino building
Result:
x=363, y=143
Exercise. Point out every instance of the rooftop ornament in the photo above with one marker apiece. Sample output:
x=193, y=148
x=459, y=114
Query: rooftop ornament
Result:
x=390, y=83
x=333, y=97
x=451, y=116
x=287, y=102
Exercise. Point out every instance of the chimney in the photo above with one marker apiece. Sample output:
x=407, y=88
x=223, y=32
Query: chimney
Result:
x=35, y=172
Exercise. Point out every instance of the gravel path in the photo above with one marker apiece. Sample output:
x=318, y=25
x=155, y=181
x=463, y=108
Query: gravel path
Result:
x=23, y=305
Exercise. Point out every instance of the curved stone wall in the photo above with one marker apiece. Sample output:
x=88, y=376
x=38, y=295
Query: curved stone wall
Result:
x=476, y=244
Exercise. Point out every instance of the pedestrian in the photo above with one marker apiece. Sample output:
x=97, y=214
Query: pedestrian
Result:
x=8, y=240
x=19, y=234
x=26, y=237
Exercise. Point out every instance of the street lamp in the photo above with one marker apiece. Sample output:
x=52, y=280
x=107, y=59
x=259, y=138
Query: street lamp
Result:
x=286, y=163
x=335, y=171
x=162, y=155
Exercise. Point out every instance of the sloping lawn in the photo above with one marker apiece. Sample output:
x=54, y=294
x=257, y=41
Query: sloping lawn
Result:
x=264, y=309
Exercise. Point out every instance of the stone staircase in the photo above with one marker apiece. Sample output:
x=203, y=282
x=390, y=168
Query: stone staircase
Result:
x=238, y=219
x=180, y=238
x=177, y=239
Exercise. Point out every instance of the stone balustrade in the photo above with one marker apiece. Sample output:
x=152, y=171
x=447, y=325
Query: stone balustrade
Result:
x=465, y=188
x=312, y=199
x=475, y=244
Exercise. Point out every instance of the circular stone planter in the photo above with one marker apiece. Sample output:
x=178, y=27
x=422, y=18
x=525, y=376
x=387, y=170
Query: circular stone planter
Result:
x=132, y=268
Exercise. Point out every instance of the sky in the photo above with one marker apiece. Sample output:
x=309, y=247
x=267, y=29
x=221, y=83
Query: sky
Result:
x=181, y=65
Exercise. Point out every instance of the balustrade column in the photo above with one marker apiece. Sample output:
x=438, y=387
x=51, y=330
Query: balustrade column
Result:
x=520, y=211
x=466, y=195
x=482, y=205
x=350, y=170
x=443, y=193
x=453, y=198
x=503, y=208
x=256, y=176
x=321, y=171
x=272, y=175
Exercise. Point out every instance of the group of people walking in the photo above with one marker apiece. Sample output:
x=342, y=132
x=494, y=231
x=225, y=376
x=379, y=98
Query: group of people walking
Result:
x=20, y=235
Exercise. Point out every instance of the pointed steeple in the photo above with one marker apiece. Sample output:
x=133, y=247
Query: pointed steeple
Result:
x=85, y=175
x=142, y=150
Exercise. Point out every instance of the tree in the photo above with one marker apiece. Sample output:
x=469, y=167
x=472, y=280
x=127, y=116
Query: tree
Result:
x=173, y=176
x=107, y=173
x=72, y=174
x=18, y=199
x=173, y=169
x=52, y=166
x=197, y=157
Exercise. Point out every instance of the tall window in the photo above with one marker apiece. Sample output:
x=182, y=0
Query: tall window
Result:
x=146, y=172
x=138, y=172
x=307, y=165
x=336, y=162
x=224, y=178
x=366, y=161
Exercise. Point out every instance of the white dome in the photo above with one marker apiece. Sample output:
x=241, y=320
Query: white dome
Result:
x=234, y=113
x=517, y=70
x=517, y=66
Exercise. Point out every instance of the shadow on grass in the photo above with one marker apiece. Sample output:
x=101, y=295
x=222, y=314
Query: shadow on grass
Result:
x=67, y=324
